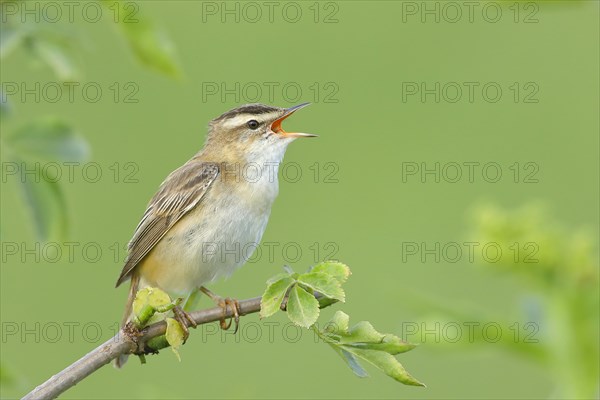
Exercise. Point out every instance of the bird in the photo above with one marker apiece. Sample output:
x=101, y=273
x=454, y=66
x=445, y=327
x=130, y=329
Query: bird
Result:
x=219, y=199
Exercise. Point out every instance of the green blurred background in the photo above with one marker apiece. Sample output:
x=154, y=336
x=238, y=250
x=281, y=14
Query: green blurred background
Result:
x=363, y=56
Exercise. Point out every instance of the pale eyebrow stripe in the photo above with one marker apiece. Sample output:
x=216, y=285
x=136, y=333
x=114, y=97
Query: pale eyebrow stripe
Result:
x=242, y=119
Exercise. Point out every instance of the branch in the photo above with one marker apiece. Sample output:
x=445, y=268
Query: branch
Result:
x=123, y=344
x=322, y=283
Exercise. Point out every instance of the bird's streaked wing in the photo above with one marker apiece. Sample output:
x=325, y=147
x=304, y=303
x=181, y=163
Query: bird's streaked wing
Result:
x=178, y=194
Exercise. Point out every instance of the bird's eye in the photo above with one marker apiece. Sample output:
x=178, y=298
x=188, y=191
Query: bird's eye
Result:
x=253, y=124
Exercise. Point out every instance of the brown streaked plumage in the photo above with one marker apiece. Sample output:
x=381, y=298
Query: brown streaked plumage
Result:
x=179, y=193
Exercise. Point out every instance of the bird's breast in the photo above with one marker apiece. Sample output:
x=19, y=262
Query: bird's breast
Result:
x=215, y=238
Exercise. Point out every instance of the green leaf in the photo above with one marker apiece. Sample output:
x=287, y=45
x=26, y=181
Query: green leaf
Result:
x=141, y=309
x=363, y=332
x=141, y=299
x=302, y=307
x=351, y=361
x=362, y=341
x=45, y=200
x=175, y=335
x=326, y=302
x=154, y=297
x=338, y=324
x=388, y=364
x=389, y=343
x=336, y=269
x=273, y=296
x=151, y=46
x=158, y=299
x=324, y=284
x=363, y=335
x=50, y=140
x=277, y=277
x=147, y=302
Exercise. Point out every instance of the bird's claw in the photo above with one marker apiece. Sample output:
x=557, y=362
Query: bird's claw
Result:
x=185, y=320
x=235, y=306
x=224, y=303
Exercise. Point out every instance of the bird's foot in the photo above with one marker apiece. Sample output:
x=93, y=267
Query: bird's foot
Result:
x=185, y=320
x=224, y=303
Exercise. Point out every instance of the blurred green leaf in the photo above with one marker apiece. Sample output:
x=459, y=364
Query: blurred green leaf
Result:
x=5, y=377
x=48, y=44
x=151, y=46
x=5, y=108
x=362, y=341
x=56, y=57
x=45, y=200
x=288, y=269
x=50, y=140
x=561, y=266
x=47, y=140
x=10, y=39
x=302, y=307
x=274, y=294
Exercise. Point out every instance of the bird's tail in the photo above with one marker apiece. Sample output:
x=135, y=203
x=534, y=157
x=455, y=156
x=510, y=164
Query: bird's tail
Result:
x=133, y=289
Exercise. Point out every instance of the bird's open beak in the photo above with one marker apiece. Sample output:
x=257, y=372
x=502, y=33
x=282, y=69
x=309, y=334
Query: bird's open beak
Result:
x=276, y=125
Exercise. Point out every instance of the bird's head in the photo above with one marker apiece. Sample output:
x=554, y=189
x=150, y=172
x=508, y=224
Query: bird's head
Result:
x=252, y=131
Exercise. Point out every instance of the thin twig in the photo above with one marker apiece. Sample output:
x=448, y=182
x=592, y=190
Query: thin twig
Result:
x=123, y=344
